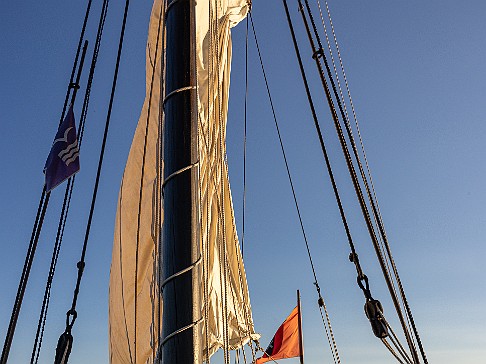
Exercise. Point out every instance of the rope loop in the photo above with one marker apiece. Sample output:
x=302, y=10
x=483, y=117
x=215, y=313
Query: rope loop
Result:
x=71, y=316
x=364, y=287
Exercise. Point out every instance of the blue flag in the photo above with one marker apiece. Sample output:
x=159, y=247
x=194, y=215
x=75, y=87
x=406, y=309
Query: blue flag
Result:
x=63, y=160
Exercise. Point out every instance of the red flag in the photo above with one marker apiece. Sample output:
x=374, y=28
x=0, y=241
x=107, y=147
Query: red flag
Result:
x=285, y=342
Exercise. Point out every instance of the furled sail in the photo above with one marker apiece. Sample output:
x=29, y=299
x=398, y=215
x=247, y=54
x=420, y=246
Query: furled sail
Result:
x=135, y=307
x=227, y=293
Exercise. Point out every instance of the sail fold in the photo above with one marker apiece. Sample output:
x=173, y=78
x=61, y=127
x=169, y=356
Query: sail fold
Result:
x=135, y=307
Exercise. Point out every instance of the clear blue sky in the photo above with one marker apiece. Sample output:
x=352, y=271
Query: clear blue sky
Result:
x=417, y=76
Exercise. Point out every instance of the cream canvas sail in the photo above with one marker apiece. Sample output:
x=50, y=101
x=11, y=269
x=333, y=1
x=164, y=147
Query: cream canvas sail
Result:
x=135, y=307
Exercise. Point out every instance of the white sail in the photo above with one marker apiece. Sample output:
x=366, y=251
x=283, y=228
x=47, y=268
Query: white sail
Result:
x=135, y=309
x=134, y=316
x=227, y=291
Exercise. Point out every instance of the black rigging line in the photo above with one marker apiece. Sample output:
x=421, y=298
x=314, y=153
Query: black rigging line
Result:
x=65, y=341
x=323, y=147
x=59, y=235
x=100, y=162
x=71, y=181
x=55, y=254
x=41, y=210
x=362, y=279
x=319, y=53
x=371, y=197
x=320, y=300
x=39, y=220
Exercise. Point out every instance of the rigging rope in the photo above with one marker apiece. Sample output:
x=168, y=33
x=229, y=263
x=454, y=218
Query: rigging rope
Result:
x=222, y=160
x=371, y=194
x=239, y=252
x=381, y=330
x=246, y=305
x=332, y=343
x=205, y=242
x=39, y=219
x=60, y=233
x=350, y=134
x=45, y=303
x=393, y=352
x=71, y=181
x=396, y=342
x=220, y=230
x=319, y=53
x=65, y=341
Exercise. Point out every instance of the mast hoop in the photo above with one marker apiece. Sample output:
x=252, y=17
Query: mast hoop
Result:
x=177, y=91
x=181, y=272
x=172, y=175
x=177, y=332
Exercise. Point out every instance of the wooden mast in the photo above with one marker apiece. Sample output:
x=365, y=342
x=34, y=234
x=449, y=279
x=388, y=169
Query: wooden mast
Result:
x=181, y=333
